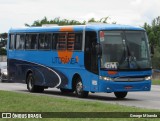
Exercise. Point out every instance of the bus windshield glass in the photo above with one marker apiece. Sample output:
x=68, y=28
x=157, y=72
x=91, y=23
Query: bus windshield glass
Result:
x=124, y=50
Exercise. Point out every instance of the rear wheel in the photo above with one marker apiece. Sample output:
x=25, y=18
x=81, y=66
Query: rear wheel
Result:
x=79, y=89
x=30, y=84
x=1, y=78
x=120, y=95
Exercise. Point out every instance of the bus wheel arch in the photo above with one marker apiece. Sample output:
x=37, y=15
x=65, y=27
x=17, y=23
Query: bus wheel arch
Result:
x=30, y=83
x=77, y=85
x=74, y=79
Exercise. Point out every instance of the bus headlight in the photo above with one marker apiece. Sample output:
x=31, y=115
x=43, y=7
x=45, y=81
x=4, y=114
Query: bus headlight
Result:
x=105, y=78
x=148, y=78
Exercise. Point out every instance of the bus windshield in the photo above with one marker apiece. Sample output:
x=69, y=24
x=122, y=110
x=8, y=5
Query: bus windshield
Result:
x=123, y=50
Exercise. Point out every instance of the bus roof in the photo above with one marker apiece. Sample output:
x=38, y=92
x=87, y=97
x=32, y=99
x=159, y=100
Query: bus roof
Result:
x=89, y=27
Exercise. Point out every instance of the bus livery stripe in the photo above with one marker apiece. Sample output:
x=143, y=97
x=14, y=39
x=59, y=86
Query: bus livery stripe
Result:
x=49, y=76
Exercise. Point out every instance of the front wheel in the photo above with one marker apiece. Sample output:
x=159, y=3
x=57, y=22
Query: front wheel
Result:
x=120, y=94
x=66, y=90
x=30, y=84
x=79, y=89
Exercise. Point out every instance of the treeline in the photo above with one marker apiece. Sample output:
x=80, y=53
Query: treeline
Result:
x=3, y=43
x=153, y=32
x=62, y=22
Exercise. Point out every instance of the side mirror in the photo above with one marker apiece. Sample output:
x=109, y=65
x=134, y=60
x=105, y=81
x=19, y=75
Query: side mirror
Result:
x=99, y=50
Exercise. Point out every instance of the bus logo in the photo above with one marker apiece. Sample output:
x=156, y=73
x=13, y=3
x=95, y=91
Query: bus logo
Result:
x=111, y=65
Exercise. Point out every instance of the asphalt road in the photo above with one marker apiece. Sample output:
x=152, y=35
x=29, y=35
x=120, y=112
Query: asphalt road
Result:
x=150, y=100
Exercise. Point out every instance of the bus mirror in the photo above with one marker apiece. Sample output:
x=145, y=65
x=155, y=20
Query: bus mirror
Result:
x=99, y=50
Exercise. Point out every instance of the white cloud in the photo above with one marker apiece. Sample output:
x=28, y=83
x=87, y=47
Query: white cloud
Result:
x=136, y=2
x=134, y=12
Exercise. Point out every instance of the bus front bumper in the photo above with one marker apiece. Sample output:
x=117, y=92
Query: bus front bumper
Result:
x=111, y=86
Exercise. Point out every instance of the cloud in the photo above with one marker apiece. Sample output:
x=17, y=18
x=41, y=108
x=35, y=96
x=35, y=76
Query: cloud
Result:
x=146, y=9
x=133, y=12
x=136, y=2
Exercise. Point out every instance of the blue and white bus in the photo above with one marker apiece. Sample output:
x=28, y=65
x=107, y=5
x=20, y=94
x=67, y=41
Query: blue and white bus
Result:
x=81, y=58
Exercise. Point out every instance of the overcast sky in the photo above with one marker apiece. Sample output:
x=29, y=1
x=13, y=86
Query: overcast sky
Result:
x=15, y=13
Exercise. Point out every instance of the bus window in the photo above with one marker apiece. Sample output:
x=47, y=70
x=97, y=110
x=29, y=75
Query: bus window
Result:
x=45, y=41
x=20, y=41
x=78, y=41
x=74, y=41
x=41, y=41
x=54, y=41
x=11, y=43
x=48, y=40
x=62, y=41
x=31, y=41
x=70, y=41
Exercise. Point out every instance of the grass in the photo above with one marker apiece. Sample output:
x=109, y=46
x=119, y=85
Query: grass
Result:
x=20, y=102
x=155, y=82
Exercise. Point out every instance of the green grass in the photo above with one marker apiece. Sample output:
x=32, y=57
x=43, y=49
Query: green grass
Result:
x=20, y=102
x=155, y=82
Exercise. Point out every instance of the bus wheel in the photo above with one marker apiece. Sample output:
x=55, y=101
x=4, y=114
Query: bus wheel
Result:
x=79, y=89
x=120, y=94
x=30, y=84
x=66, y=90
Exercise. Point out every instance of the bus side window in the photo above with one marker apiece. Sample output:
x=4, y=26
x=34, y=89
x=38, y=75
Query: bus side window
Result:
x=20, y=41
x=74, y=41
x=78, y=41
x=41, y=41
x=11, y=43
x=31, y=41
x=70, y=41
x=45, y=41
x=48, y=40
x=54, y=41
x=62, y=41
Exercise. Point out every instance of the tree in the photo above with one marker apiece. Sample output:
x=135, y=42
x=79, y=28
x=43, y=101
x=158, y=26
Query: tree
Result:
x=153, y=32
x=63, y=22
x=3, y=43
x=3, y=51
x=3, y=36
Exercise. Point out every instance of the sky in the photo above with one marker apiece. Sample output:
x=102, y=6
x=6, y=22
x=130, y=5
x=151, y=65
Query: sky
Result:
x=15, y=13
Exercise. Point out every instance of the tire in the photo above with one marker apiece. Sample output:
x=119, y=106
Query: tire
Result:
x=30, y=84
x=66, y=90
x=1, y=78
x=40, y=89
x=79, y=89
x=120, y=95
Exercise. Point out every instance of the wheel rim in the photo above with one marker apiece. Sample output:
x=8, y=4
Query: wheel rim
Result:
x=30, y=83
x=79, y=88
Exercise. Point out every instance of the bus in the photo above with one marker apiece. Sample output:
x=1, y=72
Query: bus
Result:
x=108, y=58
